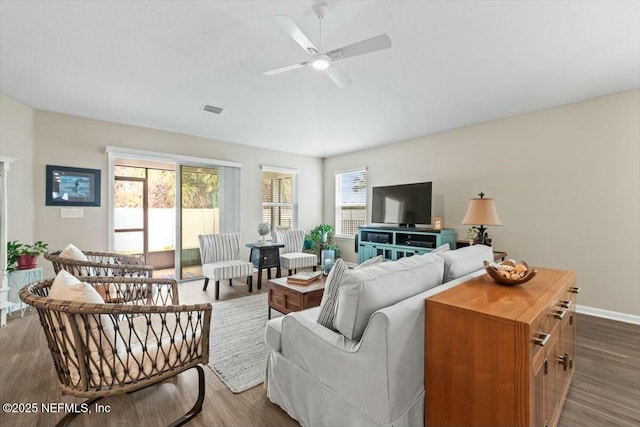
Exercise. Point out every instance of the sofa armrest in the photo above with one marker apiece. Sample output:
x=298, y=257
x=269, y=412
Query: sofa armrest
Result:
x=362, y=372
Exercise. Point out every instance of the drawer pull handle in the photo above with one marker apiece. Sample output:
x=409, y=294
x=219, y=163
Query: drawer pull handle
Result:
x=559, y=314
x=565, y=304
x=542, y=339
x=574, y=289
x=564, y=361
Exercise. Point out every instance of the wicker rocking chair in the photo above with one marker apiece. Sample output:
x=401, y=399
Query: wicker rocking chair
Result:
x=100, y=350
x=101, y=264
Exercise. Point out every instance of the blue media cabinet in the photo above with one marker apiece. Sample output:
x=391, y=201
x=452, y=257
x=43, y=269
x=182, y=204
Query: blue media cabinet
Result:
x=394, y=243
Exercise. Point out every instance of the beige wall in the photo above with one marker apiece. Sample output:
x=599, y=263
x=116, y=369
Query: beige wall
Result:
x=566, y=183
x=16, y=140
x=73, y=141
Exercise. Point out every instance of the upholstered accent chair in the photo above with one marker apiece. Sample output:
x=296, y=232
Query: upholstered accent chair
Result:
x=101, y=349
x=220, y=260
x=89, y=263
x=291, y=256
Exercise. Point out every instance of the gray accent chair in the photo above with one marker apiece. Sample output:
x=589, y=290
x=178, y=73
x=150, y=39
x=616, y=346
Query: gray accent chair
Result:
x=220, y=255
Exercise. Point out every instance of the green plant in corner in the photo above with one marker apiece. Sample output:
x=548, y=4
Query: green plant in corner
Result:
x=320, y=238
x=23, y=256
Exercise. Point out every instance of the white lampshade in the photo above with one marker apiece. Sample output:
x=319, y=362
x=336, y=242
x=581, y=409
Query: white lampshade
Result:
x=481, y=211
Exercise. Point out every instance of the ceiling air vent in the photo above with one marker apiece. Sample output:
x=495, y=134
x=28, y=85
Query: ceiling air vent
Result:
x=212, y=109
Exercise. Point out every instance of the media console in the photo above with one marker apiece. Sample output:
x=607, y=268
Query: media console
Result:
x=394, y=243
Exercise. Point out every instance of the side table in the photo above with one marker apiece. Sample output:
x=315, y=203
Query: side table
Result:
x=265, y=255
x=16, y=280
x=286, y=297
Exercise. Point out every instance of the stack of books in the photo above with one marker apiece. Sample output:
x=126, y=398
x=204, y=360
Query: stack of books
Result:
x=304, y=278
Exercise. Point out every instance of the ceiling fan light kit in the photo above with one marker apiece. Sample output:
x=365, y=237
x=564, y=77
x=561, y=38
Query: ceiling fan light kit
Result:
x=323, y=61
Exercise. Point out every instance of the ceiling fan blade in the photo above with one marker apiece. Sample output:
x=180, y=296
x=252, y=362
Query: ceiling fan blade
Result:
x=339, y=78
x=283, y=69
x=373, y=44
x=296, y=33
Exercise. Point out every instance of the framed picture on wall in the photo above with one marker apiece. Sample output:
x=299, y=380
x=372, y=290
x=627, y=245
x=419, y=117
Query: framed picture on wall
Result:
x=67, y=186
x=437, y=223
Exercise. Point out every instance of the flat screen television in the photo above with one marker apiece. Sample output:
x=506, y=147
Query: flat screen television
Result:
x=405, y=205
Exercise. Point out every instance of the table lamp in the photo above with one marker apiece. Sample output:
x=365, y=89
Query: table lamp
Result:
x=482, y=212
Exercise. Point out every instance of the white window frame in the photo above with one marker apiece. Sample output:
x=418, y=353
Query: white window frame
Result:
x=339, y=205
x=293, y=205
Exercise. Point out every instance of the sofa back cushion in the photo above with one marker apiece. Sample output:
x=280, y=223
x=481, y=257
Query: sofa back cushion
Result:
x=331, y=287
x=464, y=261
x=364, y=291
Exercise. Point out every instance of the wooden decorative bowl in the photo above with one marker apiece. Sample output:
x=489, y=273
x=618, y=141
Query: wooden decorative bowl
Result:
x=495, y=275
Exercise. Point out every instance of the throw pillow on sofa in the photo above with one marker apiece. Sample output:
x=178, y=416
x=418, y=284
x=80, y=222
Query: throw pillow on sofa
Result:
x=441, y=248
x=465, y=260
x=330, y=295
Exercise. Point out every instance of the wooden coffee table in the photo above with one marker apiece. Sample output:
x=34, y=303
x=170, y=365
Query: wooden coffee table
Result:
x=286, y=297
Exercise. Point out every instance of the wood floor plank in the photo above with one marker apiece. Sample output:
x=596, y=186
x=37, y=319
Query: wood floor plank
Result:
x=605, y=389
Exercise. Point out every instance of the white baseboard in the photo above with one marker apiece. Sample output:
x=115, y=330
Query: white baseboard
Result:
x=613, y=315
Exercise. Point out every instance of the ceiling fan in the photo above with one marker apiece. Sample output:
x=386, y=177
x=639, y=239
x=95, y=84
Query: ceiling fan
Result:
x=323, y=61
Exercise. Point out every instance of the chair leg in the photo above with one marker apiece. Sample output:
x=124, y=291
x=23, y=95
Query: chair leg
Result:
x=206, y=283
x=195, y=410
x=197, y=407
x=250, y=283
x=64, y=422
x=217, y=289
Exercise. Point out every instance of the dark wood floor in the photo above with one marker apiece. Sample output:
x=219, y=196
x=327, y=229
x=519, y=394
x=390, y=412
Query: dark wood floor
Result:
x=605, y=390
x=606, y=384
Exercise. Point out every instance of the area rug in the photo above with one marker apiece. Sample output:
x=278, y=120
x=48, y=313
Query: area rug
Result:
x=237, y=353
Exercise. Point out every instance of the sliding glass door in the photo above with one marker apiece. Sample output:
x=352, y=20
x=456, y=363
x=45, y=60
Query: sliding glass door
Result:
x=199, y=214
x=144, y=214
x=159, y=207
x=129, y=219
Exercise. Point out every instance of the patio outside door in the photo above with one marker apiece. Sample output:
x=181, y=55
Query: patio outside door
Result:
x=199, y=214
x=144, y=215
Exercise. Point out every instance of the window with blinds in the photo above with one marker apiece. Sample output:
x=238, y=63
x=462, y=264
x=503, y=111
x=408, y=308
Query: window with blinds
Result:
x=279, y=199
x=351, y=201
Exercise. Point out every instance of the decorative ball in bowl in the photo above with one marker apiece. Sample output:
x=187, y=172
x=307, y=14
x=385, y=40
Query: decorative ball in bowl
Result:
x=510, y=272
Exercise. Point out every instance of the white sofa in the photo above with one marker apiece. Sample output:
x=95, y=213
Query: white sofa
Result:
x=370, y=371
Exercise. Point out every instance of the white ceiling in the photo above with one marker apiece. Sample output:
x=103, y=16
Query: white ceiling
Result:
x=452, y=64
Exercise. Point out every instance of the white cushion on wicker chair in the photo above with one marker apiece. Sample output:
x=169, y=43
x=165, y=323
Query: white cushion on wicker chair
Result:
x=72, y=252
x=152, y=352
x=139, y=352
x=67, y=287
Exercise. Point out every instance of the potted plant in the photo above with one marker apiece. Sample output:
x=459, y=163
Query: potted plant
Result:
x=324, y=248
x=319, y=237
x=23, y=256
x=472, y=234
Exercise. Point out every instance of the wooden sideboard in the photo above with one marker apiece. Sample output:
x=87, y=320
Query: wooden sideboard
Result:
x=500, y=355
